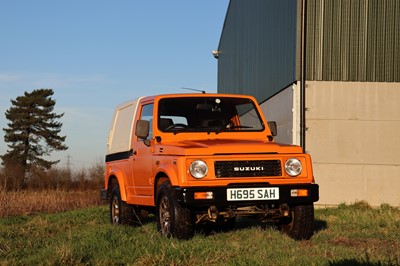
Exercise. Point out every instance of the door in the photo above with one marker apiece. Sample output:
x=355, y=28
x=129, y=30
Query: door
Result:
x=142, y=170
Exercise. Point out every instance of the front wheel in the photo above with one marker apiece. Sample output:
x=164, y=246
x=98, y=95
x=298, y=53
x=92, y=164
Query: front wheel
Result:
x=299, y=225
x=172, y=219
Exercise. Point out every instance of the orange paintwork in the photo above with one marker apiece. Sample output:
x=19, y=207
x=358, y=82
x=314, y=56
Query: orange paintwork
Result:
x=170, y=158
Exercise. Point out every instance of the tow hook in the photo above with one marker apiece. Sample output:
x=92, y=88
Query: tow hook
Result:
x=285, y=210
x=212, y=213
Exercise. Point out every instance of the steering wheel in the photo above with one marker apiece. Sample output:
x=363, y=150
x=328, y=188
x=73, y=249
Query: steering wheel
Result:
x=177, y=125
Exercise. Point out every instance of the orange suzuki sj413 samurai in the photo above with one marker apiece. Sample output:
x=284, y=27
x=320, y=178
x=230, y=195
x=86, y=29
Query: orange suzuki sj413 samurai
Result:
x=205, y=158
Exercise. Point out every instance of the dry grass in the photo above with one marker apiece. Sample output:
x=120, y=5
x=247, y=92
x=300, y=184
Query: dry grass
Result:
x=13, y=203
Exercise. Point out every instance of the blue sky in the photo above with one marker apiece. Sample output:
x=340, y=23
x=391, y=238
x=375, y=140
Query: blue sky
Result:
x=96, y=54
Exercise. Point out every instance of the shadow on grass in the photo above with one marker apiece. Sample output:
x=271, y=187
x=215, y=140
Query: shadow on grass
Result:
x=211, y=228
x=246, y=222
x=355, y=262
x=143, y=218
x=320, y=225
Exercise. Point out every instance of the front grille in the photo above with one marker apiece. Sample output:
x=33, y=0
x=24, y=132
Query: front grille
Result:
x=248, y=168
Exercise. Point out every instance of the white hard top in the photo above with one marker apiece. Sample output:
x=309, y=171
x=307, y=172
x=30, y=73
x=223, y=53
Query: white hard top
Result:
x=120, y=136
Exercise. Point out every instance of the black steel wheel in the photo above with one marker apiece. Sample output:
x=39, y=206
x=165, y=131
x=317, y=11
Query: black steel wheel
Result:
x=300, y=224
x=172, y=219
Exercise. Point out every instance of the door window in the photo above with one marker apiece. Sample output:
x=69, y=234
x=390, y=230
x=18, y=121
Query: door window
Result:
x=147, y=114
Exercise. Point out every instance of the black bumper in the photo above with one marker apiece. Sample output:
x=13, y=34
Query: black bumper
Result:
x=186, y=195
x=104, y=194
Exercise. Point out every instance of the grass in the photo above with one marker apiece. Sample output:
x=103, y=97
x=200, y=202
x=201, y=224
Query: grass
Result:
x=22, y=202
x=346, y=235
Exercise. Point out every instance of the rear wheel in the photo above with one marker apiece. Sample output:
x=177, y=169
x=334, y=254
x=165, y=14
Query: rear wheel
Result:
x=120, y=211
x=299, y=225
x=172, y=219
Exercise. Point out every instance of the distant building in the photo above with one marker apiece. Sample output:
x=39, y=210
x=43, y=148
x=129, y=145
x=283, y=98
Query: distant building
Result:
x=328, y=72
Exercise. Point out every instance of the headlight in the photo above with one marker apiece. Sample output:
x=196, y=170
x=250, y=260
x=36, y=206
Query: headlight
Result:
x=293, y=167
x=198, y=169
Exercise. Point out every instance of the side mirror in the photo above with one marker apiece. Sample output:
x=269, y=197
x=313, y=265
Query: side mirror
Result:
x=273, y=128
x=142, y=129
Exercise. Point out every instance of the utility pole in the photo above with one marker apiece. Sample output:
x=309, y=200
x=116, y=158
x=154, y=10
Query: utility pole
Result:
x=69, y=163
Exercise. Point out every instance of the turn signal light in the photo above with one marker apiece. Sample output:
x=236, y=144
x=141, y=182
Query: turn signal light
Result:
x=299, y=192
x=203, y=195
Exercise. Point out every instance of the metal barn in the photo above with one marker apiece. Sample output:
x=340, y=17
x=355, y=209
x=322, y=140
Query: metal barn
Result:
x=328, y=71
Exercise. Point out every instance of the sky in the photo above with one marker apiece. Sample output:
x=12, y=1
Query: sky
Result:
x=96, y=54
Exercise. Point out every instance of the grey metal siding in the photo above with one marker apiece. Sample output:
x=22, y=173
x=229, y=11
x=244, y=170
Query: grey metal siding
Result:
x=353, y=40
x=257, y=49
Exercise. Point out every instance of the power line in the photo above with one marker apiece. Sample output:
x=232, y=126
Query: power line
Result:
x=69, y=163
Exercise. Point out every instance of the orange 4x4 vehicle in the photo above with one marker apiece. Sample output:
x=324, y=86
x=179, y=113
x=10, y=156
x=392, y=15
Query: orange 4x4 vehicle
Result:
x=205, y=158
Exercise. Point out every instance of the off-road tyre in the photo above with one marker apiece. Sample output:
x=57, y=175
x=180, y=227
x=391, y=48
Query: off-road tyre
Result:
x=173, y=220
x=299, y=225
x=120, y=212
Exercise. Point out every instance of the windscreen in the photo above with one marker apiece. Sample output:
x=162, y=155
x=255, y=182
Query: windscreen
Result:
x=208, y=114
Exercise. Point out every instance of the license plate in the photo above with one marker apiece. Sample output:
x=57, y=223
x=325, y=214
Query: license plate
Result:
x=265, y=193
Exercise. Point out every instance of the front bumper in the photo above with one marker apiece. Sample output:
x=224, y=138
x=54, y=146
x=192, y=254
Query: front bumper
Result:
x=186, y=195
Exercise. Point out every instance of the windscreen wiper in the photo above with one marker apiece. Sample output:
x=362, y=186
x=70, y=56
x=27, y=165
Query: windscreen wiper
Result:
x=230, y=128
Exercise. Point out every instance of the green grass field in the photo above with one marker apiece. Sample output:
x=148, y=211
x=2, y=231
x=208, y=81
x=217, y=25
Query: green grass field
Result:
x=346, y=235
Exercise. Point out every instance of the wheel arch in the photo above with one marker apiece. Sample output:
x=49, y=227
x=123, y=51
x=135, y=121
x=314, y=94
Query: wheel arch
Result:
x=116, y=179
x=170, y=171
x=159, y=179
x=165, y=171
